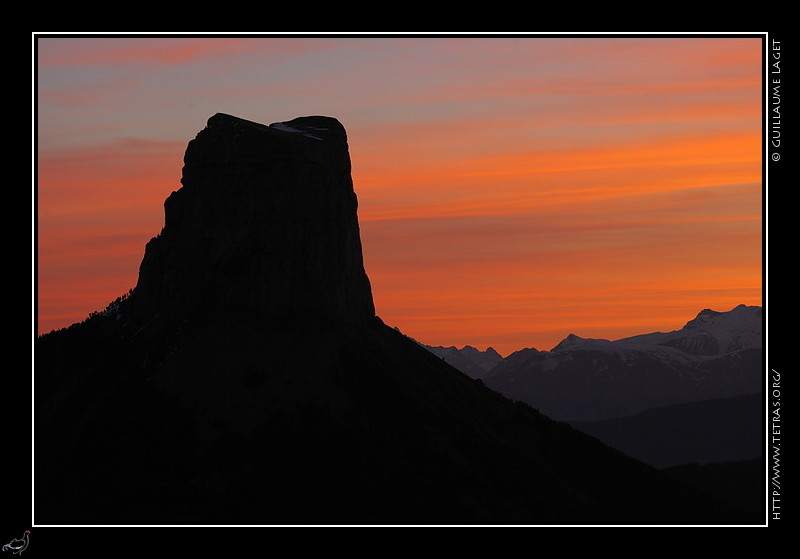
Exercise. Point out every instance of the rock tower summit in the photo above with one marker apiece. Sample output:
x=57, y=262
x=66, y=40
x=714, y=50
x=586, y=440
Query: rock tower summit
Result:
x=265, y=224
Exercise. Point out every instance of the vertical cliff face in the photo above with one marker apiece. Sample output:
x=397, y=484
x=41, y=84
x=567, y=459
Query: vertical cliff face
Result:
x=264, y=226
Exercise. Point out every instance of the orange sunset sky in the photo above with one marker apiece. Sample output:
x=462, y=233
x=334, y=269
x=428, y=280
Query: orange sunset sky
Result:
x=512, y=190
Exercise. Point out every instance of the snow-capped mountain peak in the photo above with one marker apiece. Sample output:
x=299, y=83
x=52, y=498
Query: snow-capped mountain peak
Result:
x=573, y=342
x=739, y=328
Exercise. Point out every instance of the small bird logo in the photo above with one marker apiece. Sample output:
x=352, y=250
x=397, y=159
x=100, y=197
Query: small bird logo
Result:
x=17, y=546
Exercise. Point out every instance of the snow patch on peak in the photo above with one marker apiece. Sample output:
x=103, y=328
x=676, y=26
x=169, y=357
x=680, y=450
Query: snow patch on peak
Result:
x=572, y=342
x=740, y=312
x=286, y=128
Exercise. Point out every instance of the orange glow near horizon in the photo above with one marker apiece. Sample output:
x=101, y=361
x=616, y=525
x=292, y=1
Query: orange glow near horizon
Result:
x=510, y=192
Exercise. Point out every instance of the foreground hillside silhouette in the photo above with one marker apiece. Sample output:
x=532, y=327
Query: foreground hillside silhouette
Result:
x=247, y=380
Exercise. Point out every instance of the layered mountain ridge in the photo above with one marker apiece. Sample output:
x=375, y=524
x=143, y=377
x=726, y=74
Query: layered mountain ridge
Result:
x=701, y=432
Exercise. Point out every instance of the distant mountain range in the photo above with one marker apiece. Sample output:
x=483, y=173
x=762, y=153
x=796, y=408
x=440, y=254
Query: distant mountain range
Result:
x=471, y=361
x=691, y=396
x=715, y=355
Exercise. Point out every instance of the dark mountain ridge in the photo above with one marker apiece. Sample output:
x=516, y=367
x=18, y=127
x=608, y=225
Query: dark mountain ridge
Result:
x=703, y=432
x=247, y=380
